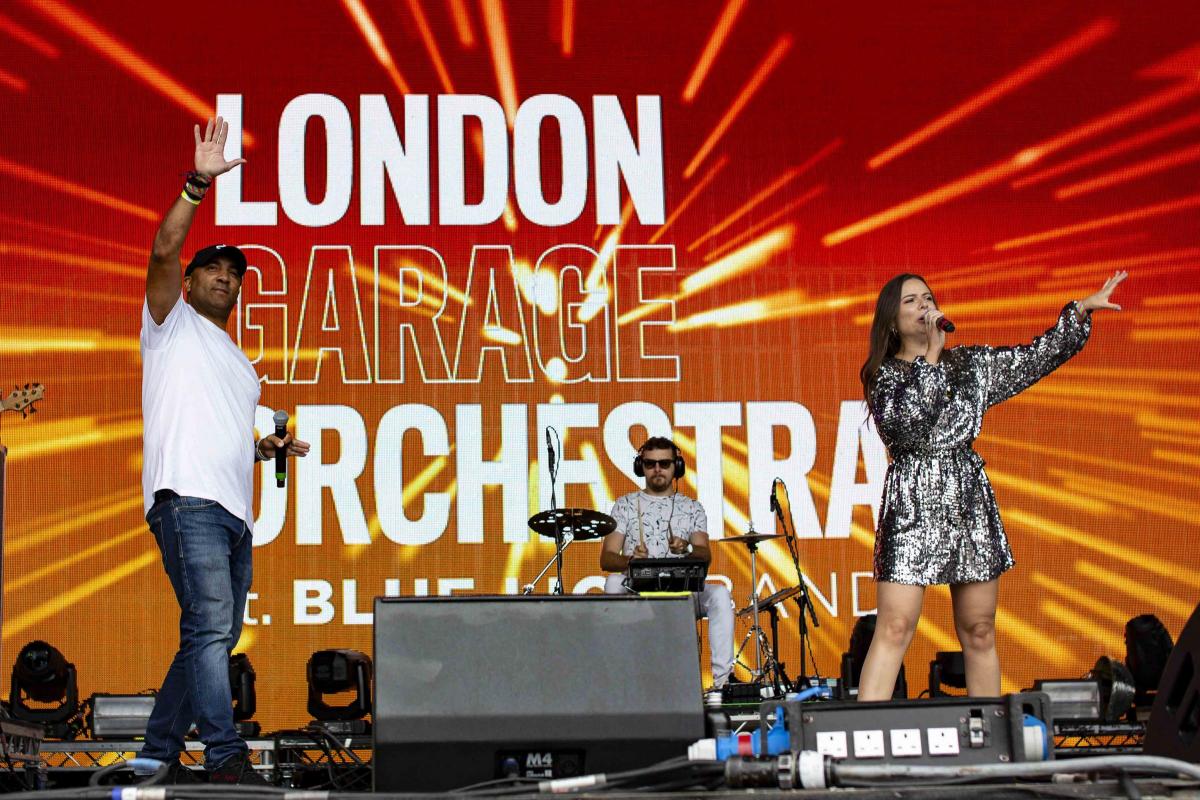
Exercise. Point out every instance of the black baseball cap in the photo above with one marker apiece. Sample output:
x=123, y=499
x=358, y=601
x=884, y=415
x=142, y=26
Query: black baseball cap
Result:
x=216, y=251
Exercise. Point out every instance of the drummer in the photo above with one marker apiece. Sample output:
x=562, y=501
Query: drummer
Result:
x=658, y=522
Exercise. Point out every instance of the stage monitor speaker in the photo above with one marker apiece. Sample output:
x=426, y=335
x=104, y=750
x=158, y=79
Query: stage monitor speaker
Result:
x=1175, y=718
x=470, y=689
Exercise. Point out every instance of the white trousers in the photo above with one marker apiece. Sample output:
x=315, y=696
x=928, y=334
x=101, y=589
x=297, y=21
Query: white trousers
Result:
x=716, y=604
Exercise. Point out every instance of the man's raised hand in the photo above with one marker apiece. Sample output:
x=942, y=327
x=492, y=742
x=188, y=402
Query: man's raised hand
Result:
x=210, y=149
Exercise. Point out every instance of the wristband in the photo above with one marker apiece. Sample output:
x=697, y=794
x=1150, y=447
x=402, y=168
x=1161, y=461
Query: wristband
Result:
x=196, y=179
x=258, y=453
x=184, y=194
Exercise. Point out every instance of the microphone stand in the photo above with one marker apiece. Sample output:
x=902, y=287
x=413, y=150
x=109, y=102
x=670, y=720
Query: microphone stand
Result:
x=552, y=468
x=782, y=682
x=803, y=600
x=559, y=543
x=564, y=541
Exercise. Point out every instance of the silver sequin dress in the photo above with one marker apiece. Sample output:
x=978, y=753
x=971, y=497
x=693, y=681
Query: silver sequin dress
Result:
x=938, y=522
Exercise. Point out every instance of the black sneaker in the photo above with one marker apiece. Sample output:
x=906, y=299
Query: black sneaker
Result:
x=236, y=770
x=176, y=773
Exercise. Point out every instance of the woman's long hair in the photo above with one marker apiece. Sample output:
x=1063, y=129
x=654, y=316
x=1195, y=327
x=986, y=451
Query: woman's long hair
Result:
x=885, y=341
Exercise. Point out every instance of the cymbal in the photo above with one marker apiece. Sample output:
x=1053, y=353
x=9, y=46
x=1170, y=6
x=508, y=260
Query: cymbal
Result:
x=772, y=601
x=750, y=538
x=580, y=523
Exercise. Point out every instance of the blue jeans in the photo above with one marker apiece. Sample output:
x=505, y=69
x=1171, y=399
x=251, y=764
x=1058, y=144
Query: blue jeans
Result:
x=206, y=552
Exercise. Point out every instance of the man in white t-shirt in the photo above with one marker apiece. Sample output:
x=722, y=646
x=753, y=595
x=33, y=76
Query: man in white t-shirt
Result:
x=658, y=522
x=199, y=395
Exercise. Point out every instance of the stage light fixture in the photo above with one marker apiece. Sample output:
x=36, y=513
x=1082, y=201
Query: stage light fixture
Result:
x=1072, y=700
x=1148, y=645
x=1116, y=688
x=1105, y=694
x=947, y=669
x=245, y=700
x=42, y=674
x=334, y=672
x=854, y=658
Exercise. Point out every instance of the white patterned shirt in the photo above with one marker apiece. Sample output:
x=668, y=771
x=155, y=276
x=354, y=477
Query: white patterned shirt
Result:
x=686, y=516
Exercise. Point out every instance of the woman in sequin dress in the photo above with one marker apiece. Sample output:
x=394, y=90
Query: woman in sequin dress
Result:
x=938, y=523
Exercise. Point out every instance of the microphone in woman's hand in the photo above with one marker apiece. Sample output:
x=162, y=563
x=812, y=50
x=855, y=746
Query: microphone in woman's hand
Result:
x=943, y=324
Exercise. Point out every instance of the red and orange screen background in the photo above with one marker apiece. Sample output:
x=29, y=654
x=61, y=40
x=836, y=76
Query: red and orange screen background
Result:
x=1014, y=154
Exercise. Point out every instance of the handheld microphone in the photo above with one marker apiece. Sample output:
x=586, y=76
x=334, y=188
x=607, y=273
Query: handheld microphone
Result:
x=774, y=500
x=281, y=421
x=945, y=325
x=549, y=453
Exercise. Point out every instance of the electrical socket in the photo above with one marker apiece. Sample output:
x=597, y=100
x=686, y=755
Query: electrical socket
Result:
x=943, y=741
x=832, y=744
x=868, y=744
x=906, y=742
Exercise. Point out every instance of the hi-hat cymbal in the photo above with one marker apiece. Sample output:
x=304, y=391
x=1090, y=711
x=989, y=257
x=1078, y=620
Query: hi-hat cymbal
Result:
x=580, y=523
x=751, y=538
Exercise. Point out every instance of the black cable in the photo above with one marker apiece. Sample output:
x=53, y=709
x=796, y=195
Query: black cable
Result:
x=557, y=461
x=661, y=766
x=617, y=779
x=6, y=755
x=97, y=777
x=326, y=752
x=357, y=775
x=686, y=782
x=331, y=737
x=620, y=780
x=309, y=733
x=324, y=729
x=333, y=780
x=209, y=791
x=687, y=785
x=496, y=782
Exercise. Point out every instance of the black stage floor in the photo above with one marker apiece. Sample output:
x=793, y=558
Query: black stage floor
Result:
x=305, y=766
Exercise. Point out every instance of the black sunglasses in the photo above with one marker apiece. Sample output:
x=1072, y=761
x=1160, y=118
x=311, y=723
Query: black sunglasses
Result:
x=663, y=463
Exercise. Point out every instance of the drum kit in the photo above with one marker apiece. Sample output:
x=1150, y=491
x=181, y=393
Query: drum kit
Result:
x=566, y=525
x=765, y=660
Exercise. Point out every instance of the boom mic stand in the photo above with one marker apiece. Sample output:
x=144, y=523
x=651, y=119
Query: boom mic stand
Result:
x=559, y=543
x=804, y=599
x=563, y=541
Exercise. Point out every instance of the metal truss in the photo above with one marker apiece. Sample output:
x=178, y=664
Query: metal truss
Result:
x=92, y=755
x=287, y=759
x=1073, y=740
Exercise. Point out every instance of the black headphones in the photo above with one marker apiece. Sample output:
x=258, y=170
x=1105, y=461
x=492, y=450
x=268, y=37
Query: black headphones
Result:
x=659, y=443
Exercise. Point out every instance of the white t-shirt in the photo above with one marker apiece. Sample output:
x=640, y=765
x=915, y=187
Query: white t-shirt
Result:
x=199, y=394
x=685, y=514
